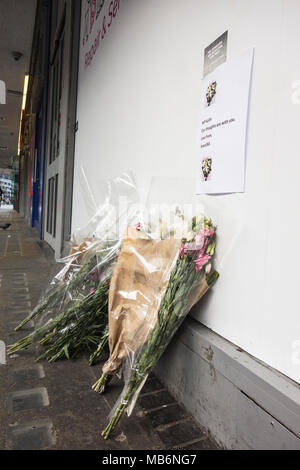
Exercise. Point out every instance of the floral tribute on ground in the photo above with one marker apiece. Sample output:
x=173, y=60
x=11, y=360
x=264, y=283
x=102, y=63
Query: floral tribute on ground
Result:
x=73, y=317
x=153, y=287
x=131, y=290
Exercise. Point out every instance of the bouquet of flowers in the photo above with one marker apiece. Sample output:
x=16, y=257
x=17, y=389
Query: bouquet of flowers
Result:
x=69, y=278
x=72, y=317
x=83, y=332
x=82, y=322
x=167, y=278
x=101, y=347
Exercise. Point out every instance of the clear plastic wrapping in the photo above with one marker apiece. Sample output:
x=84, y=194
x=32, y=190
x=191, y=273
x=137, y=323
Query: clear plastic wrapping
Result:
x=82, y=318
x=73, y=313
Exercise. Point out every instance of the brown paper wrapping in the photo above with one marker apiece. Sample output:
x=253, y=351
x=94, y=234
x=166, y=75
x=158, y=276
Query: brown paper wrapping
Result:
x=80, y=249
x=199, y=290
x=138, y=285
x=82, y=255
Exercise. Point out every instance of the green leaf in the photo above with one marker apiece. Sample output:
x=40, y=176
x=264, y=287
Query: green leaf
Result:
x=66, y=351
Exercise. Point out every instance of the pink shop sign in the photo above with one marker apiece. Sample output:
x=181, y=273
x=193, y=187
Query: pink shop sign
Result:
x=98, y=18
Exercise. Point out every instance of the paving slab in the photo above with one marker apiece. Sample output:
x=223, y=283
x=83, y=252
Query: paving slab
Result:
x=24, y=374
x=35, y=436
x=171, y=414
x=27, y=399
x=184, y=431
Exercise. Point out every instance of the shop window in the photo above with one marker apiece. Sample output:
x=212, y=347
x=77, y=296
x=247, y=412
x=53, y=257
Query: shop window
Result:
x=52, y=205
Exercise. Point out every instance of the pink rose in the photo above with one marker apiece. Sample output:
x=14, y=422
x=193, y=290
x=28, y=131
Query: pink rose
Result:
x=183, y=250
x=201, y=261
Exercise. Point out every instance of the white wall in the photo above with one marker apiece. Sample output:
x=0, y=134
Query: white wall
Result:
x=138, y=108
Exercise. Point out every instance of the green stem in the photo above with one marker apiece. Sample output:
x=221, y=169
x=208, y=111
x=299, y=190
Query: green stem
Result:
x=96, y=354
x=157, y=342
x=59, y=292
x=102, y=383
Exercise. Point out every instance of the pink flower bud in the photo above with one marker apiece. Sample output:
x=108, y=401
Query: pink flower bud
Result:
x=208, y=268
x=183, y=250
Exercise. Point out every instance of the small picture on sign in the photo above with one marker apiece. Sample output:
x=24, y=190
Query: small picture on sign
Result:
x=206, y=168
x=211, y=93
x=215, y=54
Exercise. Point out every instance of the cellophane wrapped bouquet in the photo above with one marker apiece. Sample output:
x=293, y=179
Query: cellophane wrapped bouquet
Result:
x=72, y=316
x=155, y=283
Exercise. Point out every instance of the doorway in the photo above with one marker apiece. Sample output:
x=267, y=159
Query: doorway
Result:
x=59, y=155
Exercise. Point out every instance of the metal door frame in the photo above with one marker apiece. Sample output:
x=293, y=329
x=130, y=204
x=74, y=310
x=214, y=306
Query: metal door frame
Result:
x=55, y=168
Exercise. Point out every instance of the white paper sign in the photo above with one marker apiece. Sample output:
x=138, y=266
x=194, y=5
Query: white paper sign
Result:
x=223, y=127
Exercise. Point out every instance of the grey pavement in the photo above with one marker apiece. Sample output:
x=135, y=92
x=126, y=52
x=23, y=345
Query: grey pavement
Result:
x=52, y=406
